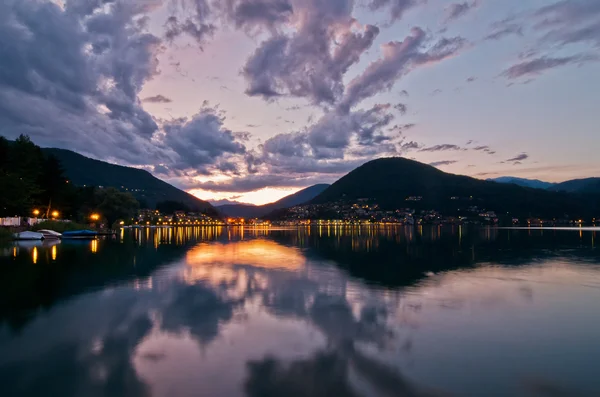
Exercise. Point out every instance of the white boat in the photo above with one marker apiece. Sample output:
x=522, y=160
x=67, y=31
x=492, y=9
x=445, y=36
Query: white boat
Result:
x=29, y=236
x=50, y=234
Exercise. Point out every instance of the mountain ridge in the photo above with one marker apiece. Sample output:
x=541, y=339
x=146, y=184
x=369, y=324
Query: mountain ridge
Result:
x=85, y=171
x=585, y=185
x=397, y=182
x=525, y=182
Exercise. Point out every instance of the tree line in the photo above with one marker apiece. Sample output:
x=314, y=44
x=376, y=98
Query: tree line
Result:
x=35, y=184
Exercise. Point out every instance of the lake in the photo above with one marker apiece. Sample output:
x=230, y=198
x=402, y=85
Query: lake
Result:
x=322, y=311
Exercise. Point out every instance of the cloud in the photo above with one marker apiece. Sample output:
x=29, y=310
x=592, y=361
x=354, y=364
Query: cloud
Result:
x=485, y=149
x=457, y=10
x=412, y=145
x=471, y=79
x=520, y=157
x=442, y=163
x=558, y=25
x=157, y=99
x=335, y=144
x=228, y=201
x=401, y=128
x=537, y=66
x=329, y=137
x=253, y=15
x=401, y=108
x=252, y=183
x=399, y=57
x=201, y=141
x=197, y=310
x=70, y=76
x=311, y=60
x=504, y=28
x=441, y=148
x=570, y=22
x=198, y=24
x=397, y=8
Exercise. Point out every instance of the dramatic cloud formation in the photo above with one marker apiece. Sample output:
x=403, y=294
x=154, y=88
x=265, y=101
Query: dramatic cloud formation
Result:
x=256, y=14
x=70, y=77
x=318, y=83
x=303, y=64
x=398, y=58
x=362, y=132
x=201, y=141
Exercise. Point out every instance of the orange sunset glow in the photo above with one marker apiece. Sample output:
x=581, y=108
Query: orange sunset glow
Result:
x=257, y=253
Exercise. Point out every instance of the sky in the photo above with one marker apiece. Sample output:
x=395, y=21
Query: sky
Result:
x=251, y=100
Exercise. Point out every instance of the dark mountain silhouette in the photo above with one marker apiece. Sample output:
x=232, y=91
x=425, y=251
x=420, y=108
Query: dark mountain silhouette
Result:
x=534, y=183
x=400, y=183
x=84, y=171
x=588, y=185
x=257, y=211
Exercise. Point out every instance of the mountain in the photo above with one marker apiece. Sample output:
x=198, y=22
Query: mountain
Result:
x=301, y=197
x=588, y=185
x=401, y=183
x=533, y=183
x=84, y=171
x=257, y=211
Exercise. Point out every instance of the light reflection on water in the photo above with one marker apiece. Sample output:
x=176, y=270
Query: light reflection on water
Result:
x=327, y=311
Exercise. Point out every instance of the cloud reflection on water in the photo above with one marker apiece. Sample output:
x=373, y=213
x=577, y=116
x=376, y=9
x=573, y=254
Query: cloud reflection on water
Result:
x=283, y=315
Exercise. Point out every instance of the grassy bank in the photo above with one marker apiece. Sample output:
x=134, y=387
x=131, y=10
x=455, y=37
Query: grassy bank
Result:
x=59, y=226
x=6, y=234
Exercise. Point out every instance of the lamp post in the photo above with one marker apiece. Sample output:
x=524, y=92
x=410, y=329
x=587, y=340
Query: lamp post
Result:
x=55, y=214
x=94, y=218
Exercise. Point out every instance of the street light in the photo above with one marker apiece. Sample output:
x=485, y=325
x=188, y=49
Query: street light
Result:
x=94, y=217
x=36, y=212
x=55, y=214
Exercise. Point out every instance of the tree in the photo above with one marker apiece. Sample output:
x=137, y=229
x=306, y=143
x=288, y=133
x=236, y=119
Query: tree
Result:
x=54, y=186
x=4, y=154
x=115, y=205
x=170, y=206
x=20, y=166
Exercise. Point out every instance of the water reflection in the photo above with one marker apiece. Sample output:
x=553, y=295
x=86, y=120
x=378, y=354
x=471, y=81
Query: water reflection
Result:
x=327, y=311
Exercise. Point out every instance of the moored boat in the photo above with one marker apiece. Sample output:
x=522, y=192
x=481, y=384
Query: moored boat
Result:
x=29, y=236
x=81, y=234
x=50, y=234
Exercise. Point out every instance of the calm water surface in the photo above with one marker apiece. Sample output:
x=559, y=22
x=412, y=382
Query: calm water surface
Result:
x=310, y=312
